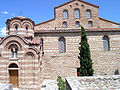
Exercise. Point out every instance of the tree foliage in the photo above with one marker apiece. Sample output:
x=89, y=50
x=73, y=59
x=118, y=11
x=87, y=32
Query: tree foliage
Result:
x=85, y=56
x=61, y=83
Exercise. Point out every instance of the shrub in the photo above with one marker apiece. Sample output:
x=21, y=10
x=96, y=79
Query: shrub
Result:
x=61, y=83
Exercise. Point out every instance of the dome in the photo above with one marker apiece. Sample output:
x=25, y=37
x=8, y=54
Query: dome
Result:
x=21, y=17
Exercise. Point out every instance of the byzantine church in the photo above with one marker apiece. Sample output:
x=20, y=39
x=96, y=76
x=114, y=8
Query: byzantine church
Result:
x=31, y=53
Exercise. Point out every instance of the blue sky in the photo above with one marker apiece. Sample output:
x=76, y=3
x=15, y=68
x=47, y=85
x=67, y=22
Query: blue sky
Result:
x=42, y=10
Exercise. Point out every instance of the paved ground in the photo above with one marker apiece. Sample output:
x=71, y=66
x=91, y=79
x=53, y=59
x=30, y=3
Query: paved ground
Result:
x=15, y=89
x=49, y=85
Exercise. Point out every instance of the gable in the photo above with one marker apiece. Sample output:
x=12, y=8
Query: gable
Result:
x=78, y=1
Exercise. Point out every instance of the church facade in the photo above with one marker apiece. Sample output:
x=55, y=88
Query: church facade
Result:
x=31, y=53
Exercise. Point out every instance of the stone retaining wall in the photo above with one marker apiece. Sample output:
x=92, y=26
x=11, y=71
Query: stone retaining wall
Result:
x=93, y=83
x=6, y=86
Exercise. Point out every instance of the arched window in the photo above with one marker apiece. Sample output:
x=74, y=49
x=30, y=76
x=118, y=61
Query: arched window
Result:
x=64, y=24
x=88, y=14
x=8, y=30
x=65, y=13
x=42, y=48
x=106, y=43
x=26, y=29
x=62, y=46
x=76, y=13
x=14, y=51
x=77, y=24
x=90, y=24
x=16, y=28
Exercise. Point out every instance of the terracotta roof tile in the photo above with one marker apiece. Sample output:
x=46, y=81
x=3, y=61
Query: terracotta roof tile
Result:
x=109, y=21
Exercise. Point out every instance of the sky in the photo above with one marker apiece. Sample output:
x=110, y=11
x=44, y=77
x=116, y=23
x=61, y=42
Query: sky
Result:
x=43, y=10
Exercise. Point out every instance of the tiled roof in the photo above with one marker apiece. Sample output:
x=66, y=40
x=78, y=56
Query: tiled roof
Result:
x=109, y=21
x=35, y=40
x=44, y=22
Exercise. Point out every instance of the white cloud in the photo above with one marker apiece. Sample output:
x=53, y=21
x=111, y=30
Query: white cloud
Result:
x=3, y=31
x=5, y=12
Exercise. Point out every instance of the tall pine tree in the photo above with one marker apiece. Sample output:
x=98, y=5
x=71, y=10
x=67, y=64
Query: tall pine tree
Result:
x=85, y=56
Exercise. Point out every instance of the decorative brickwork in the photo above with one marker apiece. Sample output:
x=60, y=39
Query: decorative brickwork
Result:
x=35, y=49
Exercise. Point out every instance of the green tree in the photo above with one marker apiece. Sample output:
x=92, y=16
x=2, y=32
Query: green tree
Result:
x=85, y=56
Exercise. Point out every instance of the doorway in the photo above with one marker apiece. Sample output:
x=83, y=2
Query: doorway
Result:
x=13, y=75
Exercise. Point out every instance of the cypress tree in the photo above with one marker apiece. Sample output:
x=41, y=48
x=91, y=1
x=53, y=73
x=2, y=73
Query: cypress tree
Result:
x=85, y=56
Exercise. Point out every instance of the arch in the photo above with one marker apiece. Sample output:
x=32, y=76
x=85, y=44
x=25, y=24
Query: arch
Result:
x=26, y=29
x=14, y=50
x=13, y=74
x=14, y=43
x=27, y=23
x=16, y=28
x=77, y=23
x=88, y=14
x=14, y=39
x=31, y=51
x=76, y=13
x=13, y=65
x=30, y=54
x=65, y=14
x=62, y=44
x=106, y=44
x=64, y=24
x=13, y=23
x=90, y=24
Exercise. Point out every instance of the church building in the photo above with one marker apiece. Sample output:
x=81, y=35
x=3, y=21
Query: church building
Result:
x=31, y=53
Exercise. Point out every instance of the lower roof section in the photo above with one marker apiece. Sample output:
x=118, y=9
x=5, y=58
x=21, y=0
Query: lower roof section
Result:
x=68, y=30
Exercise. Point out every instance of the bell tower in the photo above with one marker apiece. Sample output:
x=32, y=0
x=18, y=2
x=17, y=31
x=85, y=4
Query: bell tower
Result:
x=20, y=26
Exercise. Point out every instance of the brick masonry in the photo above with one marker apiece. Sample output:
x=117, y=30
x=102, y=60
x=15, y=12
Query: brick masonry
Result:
x=38, y=61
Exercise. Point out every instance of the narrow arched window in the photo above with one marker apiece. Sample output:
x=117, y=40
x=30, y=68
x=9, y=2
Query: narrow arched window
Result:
x=64, y=24
x=65, y=13
x=26, y=29
x=14, y=51
x=8, y=30
x=76, y=13
x=88, y=14
x=42, y=48
x=62, y=46
x=77, y=24
x=90, y=24
x=106, y=43
x=16, y=28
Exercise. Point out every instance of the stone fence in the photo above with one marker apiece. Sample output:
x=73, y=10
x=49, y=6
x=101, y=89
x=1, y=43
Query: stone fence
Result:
x=6, y=86
x=93, y=83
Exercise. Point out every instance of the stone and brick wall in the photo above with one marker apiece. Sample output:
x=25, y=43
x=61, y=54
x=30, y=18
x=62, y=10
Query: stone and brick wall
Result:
x=38, y=62
x=27, y=62
x=66, y=64
x=70, y=6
